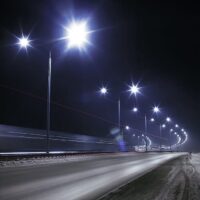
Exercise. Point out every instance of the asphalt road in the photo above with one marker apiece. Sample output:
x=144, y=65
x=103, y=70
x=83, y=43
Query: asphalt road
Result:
x=84, y=180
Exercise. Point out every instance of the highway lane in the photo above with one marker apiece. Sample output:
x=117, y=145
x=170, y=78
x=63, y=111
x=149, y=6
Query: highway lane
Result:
x=84, y=180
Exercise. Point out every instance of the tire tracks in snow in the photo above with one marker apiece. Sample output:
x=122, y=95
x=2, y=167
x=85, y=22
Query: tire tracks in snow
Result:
x=183, y=183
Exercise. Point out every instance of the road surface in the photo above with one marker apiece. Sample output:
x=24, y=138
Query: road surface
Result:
x=77, y=180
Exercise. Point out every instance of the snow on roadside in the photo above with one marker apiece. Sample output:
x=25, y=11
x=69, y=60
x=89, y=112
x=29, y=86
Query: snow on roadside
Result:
x=195, y=161
x=45, y=160
x=42, y=160
x=183, y=180
x=176, y=180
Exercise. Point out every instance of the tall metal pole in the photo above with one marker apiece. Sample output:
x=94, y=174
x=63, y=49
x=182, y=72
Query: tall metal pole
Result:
x=145, y=127
x=170, y=141
x=48, y=102
x=160, y=135
x=119, y=117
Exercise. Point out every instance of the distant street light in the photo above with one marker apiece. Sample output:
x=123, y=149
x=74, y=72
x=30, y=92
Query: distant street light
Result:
x=127, y=127
x=103, y=90
x=163, y=125
x=168, y=119
x=176, y=125
x=135, y=109
x=152, y=120
x=134, y=89
x=156, y=109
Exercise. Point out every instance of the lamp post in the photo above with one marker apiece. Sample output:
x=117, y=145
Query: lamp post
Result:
x=49, y=102
x=145, y=132
x=156, y=110
x=168, y=120
x=76, y=36
x=119, y=117
x=170, y=132
x=133, y=89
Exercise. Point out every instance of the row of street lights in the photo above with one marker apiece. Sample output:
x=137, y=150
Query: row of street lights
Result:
x=77, y=37
x=134, y=89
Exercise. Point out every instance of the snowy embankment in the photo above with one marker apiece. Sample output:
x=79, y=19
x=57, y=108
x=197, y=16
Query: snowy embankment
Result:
x=176, y=180
x=41, y=160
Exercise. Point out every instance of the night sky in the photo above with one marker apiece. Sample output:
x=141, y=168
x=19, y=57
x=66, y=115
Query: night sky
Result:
x=150, y=43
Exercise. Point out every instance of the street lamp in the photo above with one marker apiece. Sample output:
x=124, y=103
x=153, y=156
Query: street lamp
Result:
x=135, y=109
x=134, y=89
x=156, y=109
x=168, y=119
x=76, y=37
x=127, y=127
x=77, y=34
x=152, y=120
x=23, y=42
x=103, y=90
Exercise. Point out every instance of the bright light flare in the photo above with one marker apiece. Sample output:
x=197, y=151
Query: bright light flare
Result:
x=152, y=120
x=127, y=127
x=23, y=42
x=163, y=126
x=168, y=119
x=77, y=34
x=103, y=90
x=156, y=109
x=134, y=89
x=176, y=125
x=135, y=109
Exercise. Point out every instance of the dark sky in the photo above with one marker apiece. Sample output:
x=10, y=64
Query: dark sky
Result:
x=153, y=43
